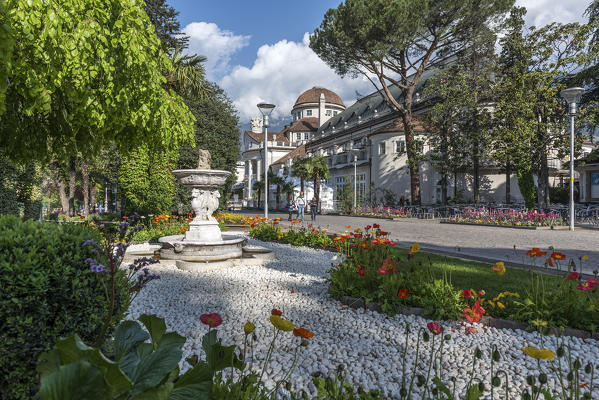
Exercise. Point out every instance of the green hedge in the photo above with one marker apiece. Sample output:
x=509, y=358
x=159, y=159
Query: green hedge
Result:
x=48, y=292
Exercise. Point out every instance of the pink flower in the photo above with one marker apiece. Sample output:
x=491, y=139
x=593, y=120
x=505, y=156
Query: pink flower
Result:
x=361, y=271
x=588, y=285
x=466, y=293
x=212, y=320
x=383, y=271
x=434, y=328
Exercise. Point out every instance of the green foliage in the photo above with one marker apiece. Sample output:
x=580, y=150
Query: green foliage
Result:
x=337, y=388
x=559, y=194
x=19, y=188
x=51, y=294
x=311, y=237
x=345, y=197
x=216, y=131
x=527, y=187
x=168, y=28
x=80, y=83
x=136, y=369
x=147, y=181
x=159, y=226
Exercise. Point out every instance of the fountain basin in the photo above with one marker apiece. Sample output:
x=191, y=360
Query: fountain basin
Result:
x=176, y=247
x=202, y=178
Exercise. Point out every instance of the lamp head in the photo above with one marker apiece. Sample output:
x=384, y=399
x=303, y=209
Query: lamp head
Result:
x=572, y=95
x=266, y=108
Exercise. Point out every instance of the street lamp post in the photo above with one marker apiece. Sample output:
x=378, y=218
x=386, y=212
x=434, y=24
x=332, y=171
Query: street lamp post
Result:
x=572, y=96
x=355, y=181
x=265, y=109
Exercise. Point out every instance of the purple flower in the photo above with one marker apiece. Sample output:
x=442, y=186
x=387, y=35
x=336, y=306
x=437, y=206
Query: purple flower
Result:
x=98, y=268
x=89, y=242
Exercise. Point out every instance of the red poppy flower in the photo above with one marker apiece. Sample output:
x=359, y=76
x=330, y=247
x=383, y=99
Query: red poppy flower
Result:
x=367, y=227
x=572, y=276
x=482, y=293
x=276, y=312
x=466, y=294
x=478, y=308
x=383, y=271
x=550, y=261
x=383, y=233
x=361, y=271
x=403, y=293
x=212, y=320
x=303, y=333
x=434, y=328
x=376, y=226
x=556, y=255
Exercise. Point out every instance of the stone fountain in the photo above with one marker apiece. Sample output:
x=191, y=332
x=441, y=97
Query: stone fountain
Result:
x=203, y=242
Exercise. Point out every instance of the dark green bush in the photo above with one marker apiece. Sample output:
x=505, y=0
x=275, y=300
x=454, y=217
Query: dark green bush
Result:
x=47, y=292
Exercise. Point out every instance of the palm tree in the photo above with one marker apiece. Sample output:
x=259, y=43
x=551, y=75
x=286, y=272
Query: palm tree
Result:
x=257, y=187
x=289, y=189
x=299, y=170
x=317, y=169
x=274, y=179
x=187, y=74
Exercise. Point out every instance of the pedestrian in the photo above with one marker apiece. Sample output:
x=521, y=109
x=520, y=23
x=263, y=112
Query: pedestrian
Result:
x=290, y=208
x=300, y=203
x=313, y=208
x=402, y=200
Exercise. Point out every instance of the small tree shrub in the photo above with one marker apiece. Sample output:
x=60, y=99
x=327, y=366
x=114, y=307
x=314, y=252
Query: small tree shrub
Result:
x=48, y=292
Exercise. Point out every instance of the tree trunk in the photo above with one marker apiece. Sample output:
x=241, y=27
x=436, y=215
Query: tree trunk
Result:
x=85, y=187
x=444, y=189
x=302, y=183
x=61, y=186
x=72, y=177
x=317, y=188
x=475, y=178
x=93, y=197
x=278, y=196
x=444, y=171
x=412, y=157
x=508, y=183
x=543, y=180
x=455, y=184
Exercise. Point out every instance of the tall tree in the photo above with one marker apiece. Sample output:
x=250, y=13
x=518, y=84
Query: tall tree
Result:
x=317, y=169
x=393, y=43
x=168, y=28
x=82, y=82
x=299, y=170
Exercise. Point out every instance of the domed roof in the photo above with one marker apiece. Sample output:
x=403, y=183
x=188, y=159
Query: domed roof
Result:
x=313, y=95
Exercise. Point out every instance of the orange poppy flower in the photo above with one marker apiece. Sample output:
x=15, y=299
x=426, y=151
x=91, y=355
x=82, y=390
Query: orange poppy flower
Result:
x=403, y=293
x=303, y=333
x=550, y=261
x=556, y=255
x=276, y=312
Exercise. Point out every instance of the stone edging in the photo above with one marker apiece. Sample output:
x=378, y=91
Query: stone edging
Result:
x=488, y=321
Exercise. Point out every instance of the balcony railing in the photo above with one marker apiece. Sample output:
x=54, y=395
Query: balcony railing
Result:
x=270, y=144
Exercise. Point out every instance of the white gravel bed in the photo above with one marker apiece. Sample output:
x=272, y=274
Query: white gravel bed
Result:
x=369, y=344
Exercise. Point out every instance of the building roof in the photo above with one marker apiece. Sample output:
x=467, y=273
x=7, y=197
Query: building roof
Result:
x=313, y=96
x=297, y=152
x=272, y=136
x=397, y=126
x=307, y=124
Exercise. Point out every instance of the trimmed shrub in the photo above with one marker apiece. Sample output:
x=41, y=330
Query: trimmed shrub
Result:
x=48, y=292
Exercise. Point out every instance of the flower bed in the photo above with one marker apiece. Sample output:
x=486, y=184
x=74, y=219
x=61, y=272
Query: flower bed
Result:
x=513, y=218
x=372, y=268
x=381, y=212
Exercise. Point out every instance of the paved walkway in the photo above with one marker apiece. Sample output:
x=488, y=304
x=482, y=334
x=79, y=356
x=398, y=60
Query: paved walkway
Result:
x=487, y=243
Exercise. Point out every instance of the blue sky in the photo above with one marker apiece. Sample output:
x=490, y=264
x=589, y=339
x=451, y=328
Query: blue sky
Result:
x=258, y=50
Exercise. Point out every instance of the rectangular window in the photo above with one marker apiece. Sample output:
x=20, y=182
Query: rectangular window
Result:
x=298, y=136
x=327, y=113
x=306, y=136
x=334, y=112
x=382, y=148
x=594, y=185
x=309, y=113
x=400, y=146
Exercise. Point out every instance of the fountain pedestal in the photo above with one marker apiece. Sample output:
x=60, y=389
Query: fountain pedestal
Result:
x=204, y=243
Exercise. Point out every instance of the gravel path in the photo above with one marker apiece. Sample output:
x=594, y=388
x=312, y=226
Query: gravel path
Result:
x=367, y=343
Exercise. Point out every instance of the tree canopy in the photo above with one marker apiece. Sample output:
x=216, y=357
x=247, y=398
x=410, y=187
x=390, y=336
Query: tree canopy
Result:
x=82, y=74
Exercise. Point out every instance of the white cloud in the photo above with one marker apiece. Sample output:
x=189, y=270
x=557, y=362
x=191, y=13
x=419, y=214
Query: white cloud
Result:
x=280, y=73
x=543, y=12
x=207, y=39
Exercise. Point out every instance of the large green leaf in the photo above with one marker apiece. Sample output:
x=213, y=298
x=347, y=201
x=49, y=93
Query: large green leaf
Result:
x=155, y=326
x=161, y=392
x=76, y=381
x=72, y=349
x=442, y=388
x=130, y=360
x=472, y=393
x=195, y=384
x=126, y=336
x=48, y=363
x=152, y=369
x=172, y=338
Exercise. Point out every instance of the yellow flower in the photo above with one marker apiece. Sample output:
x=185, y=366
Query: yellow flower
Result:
x=281, y=324
x=539, y=354
x=325, y=229
x=500, y=305
x=415, y=248
x=499, y=267
x=491, y=302
x=248, y=328
x=539, y=322
x=585, y=257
